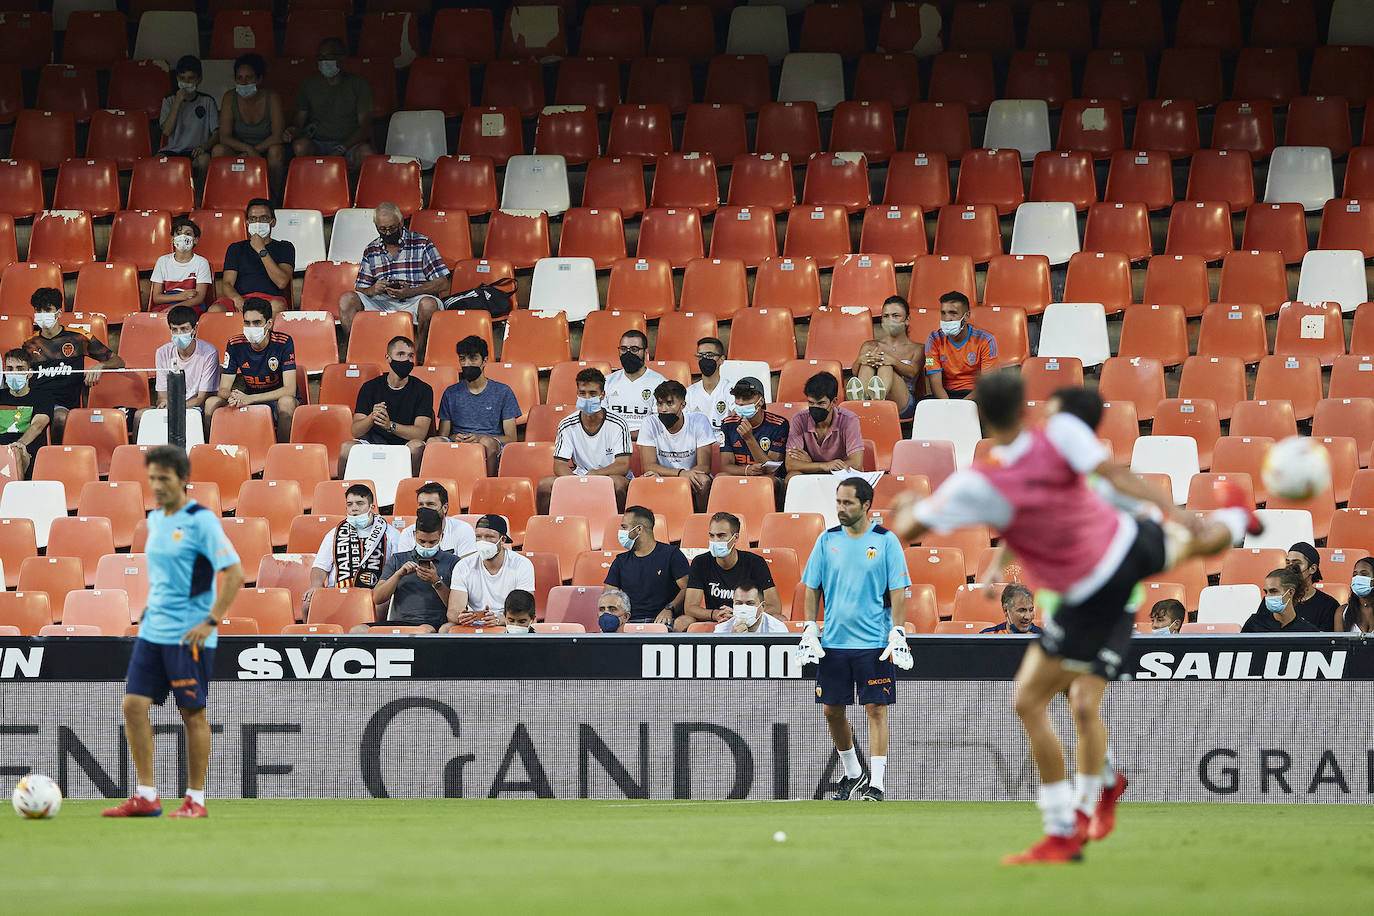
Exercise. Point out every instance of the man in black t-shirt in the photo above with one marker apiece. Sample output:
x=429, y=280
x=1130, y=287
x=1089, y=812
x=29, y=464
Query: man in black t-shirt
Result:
x=1313, y=605
x=24, y=412
x=1278, y=613
x=714, y=576
x=394, y=408
x=61, y=353
x=260, y=266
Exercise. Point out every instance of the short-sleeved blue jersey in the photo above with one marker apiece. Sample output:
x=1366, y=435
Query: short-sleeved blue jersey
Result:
x=185, y=550
x=855, y=575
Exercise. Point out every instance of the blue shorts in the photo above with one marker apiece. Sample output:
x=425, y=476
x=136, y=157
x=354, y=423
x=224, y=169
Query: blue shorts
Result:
x=841, y=670
x=155, y=669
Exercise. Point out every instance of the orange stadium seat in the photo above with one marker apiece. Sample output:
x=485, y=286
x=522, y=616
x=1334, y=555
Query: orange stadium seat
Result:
x=317, y=183
x=46, y=137
x=308, y=533
x=1343, y=70
x=262, y=610
x=1064, y=176
x=325, y=282
x=340, y=382
x=371, y=331
x=1168, y=125
x=1359, y=170
x=1348, y=224
x=439, y=83
x=791, y=128
x=642, y=284
x=601, y=333
x=17, y=544
x=790, y=283
x=1222, y=175
x=569, y=131
x=1178, y=279
x=119, y=501
x=448, y=230
x=105, y=609
x=936, y=275
x=1319, y=121
x=896, y=230
x=750, y=498
x=1352, y=529
x=670, y=497
x=54, y=576
x=390, y=178
x=1137, y=175
x=110, y=288
x=746, y=233
x=1254, y=276
x=227, y=466
x=1190, y=73
x=88, y=538
x=712, y=288
x=118, y=135
x=1245, y=126
x=138, y=237
x=968, y=230
x=640, y=130
x=762, y=181
x=232, y=181
x=523, y=379
x=1220, y=378
x=276, y=502
x=861, y=281
x=1119, y=227
x=252, y=540
x=512, y=498
x=963, y=77
x=21, y=183
x=1280, y=228
x=615, y=182
x=1344, y=416
x=346, y=607
x=306, y=463
x=1044, y=75
x=542, y=340
x=70, y=89
x=562, y=389
x=716, y=129
x=1093, y=126
x=763, y=334
x=1117, y=75
x=1296, y=379
x=26, y=612
x=1311, y=329
x=1352, y=376
x=683, y=31
x=62, y=237
x=491, y=133
x=792, y=379
x=989, y=176
x=865, y=127
x=590, y=81
x=918, y=179
x=102, y=428
x=879, y=423
x=931, y=459
x=1264, y=418
x=448, y=327
x=795, y=530
x=464, y=182
x=672, y=234
x=1044, y=375
x=87, y=184
x=1099, y=276
x=1196, y=418
x=662, y=81
x=518, y=236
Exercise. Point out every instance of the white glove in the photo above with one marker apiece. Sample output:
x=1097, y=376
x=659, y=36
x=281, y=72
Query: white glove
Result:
x=897, y=649
x=809, y=650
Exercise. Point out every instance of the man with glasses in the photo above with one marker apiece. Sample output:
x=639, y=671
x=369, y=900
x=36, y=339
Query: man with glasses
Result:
x=630, y=389
x=710, y=394
x=259, y=267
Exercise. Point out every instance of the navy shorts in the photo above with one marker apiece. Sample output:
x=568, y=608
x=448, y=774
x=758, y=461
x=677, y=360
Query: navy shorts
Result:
x=841, y=670
x=155, y=669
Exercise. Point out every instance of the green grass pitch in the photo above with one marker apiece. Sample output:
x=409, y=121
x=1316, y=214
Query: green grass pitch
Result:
x=389, y=857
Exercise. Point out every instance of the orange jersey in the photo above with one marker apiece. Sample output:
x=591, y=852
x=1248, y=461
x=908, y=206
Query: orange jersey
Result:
x=960, y=365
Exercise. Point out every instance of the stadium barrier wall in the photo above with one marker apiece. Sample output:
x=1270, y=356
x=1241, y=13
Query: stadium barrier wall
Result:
x=689, y=717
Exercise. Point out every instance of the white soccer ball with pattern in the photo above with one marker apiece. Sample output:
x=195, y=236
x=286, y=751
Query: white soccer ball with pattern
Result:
x=37, y=797
x=1297, y=468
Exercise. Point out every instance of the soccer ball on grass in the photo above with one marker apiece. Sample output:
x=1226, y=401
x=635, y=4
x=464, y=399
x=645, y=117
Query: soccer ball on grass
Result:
x=1297, y=468
x=37, y=797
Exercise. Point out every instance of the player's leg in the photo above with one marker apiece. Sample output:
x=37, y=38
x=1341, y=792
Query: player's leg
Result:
x=877, y=751
x=138, y=731
x=1114, y=784
x=147, y=683
x=191, y=668
x=1085, y=703
x=877, y=682
x=835, y=691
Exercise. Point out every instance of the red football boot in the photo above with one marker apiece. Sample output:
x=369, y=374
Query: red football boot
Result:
x=1052, y=850
x=1230, y=495
x=189, y=809
x=1105, y=818
x=1081, y=823
x=136, y=806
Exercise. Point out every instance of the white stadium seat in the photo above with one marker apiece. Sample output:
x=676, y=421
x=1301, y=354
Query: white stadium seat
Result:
x=1300, y=174
x=1352, y=23
x=536, y=183
x=152, y=428
x=1175, y=456
x=813, y=493
x=749, y=368
x=305, y=230
x=952, y=420
x=353, y=231
x=1050, y=229
x=385, y=465
x=815, y=78
x=1019, y=124
x=167, y=35
x=1282, y=528
x=40, y=501
x=565, y=285
x=1077, y=329
x=417, y=134
x=1333, y=276
x=1228, y=603
x=758, y=30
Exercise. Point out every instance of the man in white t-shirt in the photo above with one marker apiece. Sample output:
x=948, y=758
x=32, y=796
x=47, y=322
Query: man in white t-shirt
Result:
x=630, y=389
x=457, y=537
x=748, y=617
x=480, y=584
x=710, y=395
x=592, y=442
x=673, y=443
x=188, y=354
x=352, y=555
x=182, y=277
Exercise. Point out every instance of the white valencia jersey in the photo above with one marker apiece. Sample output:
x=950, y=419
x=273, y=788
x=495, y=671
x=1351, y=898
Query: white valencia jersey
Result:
x=632, y=401
x=714, y=405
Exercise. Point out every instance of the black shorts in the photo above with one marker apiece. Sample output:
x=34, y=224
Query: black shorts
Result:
x=1093, y=635
x=841, y=670
x=156, y=669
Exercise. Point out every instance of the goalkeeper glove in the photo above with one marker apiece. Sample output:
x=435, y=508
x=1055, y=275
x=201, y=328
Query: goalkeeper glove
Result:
x=809, y=650
x=897, y=650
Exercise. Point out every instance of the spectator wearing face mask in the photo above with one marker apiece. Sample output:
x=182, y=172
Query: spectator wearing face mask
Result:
x=189, y=118
x=333, y=110
x=185, y=353
x=24, y=416
x=1279, y=612
x=353, y=554
x=958, y=352
x=182, y=277
x=415, y=582
x=654, y=575
x=251, y=122
x=1313, y=605
x=673, y=443
x=1358, y=616
x=476, y=408
x=482, y=581
x=594, y=441
x=1167, y=617
x=748, y=614
x=630, y=389
x=63, y=352
x=710, y=394
x=825, y=437
x=259, y=267
x=395, y=408
x=714, y=577
x=891, y=366
x=258, y=367
x=519, y=612
x=613, y=610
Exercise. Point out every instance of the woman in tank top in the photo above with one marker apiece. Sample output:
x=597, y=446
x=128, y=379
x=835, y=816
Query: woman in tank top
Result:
x=251, y=120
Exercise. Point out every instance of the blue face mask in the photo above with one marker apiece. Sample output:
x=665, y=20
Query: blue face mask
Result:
x=720, y=549
x=426, y=552
x=360, y=522
x=609, y=623
x=1274, y=603
x=1361, y=585
x=627, y=540
x=14, y=381
x=746, y=410
x=589, y=406
x=182, y=341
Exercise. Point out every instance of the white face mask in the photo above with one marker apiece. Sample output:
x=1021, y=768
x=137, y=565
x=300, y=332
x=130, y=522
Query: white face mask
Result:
x=189, y=87
x=183, y=242
x=486, y=549
x=1161, y=631
x=360, y=522
x=262, y=230
x=44, y=320
x=720, y=549
x=329, y=69
x=749, y=613
x=516, y=628
x=952, y=328
x=246, y=91
x=255, y=335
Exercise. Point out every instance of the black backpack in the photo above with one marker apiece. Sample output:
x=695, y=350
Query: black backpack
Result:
x=495, y=298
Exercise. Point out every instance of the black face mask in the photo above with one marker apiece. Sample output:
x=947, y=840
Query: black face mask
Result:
x=402, y=367
x=631, y=362
x=470, y=373
x=670, y=420
x=708, y=366
x=818, y=414
x=390, y=236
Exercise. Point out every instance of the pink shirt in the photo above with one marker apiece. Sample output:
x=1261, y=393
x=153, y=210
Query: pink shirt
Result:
x=843, y=440
x=202, y=369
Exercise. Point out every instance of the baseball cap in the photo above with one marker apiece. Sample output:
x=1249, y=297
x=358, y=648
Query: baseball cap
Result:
x=748, y=387
x=495, y=523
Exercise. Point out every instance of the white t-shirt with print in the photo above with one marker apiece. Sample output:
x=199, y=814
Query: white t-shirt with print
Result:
x=679, y=449
x=632, y=400
x=588, y=452
x=174, y=275
x=713, y=405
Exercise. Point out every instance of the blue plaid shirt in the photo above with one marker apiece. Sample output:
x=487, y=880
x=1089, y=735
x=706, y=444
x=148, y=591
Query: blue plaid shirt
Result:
x=417, y=262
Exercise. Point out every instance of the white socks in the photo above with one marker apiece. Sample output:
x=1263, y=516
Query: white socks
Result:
x=850, y=759
x=1236, y=521
x=1056, y=808
x=878, y=768
x=148, y=792
x=1088, y=789
x=1109, y=771
x=196, y=795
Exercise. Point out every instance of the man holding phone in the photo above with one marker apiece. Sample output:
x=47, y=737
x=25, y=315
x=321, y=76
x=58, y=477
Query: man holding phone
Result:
x=415, y=582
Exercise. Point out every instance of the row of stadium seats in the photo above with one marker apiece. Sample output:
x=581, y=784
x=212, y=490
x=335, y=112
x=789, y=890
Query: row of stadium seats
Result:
x=101, y=36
